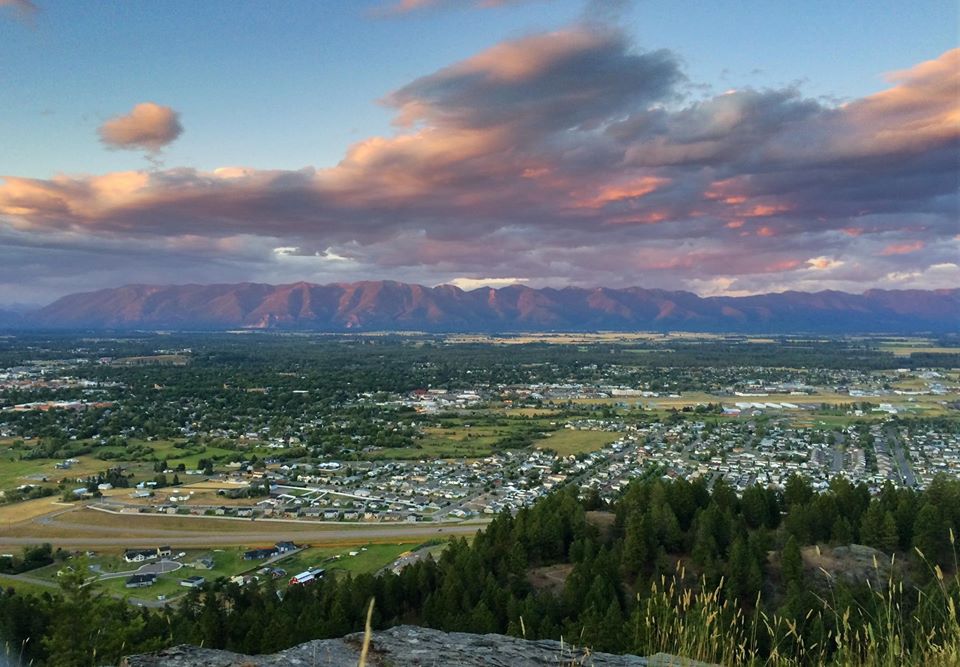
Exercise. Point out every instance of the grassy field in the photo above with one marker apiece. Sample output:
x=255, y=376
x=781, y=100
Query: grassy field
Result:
x=15, y=471
x=24, y=587
x=29, y=509
x=566, y=442
x=369, y=557
x=375, y=556
x=227, y=563
x=458, y=442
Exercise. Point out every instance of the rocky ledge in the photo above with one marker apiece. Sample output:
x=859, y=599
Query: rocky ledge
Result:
x=408, y=645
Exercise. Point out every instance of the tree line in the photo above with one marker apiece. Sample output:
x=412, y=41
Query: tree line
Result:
x=621, y=567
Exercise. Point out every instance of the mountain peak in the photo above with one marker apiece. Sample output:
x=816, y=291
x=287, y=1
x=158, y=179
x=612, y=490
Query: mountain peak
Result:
x=390, y=305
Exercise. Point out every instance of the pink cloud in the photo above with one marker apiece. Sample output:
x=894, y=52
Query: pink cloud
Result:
x=903, y=248
x=568, y=154
x=148, y=126
x=623, y=192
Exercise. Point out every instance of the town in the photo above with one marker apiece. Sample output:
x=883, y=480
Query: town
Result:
x=472, y=448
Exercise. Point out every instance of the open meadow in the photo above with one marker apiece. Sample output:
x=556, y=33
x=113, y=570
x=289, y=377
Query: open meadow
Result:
x=570, y=442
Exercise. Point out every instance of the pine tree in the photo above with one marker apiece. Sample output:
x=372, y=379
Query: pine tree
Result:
x=791, y=562
x=841, y=533
x=889, y=536
x=931, y=534
x=637, y=550
x=88, y=628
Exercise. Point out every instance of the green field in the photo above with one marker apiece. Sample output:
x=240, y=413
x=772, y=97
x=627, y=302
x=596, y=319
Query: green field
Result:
x=375, y=557
x=24, y=586
x=566, y=442
x=229, y=562
x=369, y=558
x=15, y=471
x=463, y=438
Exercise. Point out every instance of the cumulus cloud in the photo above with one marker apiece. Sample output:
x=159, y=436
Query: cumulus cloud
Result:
x=824, y=263
x=465, y=283
x=148, y=126
x=572, y=157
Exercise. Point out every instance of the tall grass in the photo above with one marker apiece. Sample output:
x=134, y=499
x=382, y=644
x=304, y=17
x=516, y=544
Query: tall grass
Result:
x=700, y=623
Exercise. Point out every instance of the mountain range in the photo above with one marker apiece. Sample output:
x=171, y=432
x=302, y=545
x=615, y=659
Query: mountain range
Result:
x=388, y=305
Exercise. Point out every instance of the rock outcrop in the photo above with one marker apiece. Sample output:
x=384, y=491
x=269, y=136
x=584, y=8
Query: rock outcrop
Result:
x=406, y=645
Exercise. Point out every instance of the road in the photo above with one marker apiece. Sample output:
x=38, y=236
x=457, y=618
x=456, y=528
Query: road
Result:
x=896, y=448
x=160, y=567
x=837, y=463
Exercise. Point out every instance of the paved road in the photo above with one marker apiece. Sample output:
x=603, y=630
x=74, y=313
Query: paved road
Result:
x=160, y=567
x=896, y=448
x=837, y=464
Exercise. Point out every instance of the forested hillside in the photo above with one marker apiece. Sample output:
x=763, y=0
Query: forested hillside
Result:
x=672, y=566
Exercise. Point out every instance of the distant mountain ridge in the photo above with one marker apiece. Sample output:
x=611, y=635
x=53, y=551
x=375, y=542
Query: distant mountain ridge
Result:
x=388, y=305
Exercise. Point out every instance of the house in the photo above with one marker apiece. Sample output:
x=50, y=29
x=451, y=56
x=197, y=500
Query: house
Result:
x=139, y=555
x=308, y=576
x=141, y=580
x=192, y=582
x=259, y=554
x=284, y=547
x=164, y=551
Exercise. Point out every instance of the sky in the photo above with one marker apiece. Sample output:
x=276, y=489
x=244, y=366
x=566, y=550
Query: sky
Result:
x=716, y=147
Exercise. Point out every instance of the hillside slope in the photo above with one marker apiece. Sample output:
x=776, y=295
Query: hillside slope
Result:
x=387, y=305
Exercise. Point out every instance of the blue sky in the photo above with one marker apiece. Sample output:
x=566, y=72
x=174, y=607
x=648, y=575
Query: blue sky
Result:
x=721, y=147
x=243, y=73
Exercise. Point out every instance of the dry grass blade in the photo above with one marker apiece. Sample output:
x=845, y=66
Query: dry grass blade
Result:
x=367, y=633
